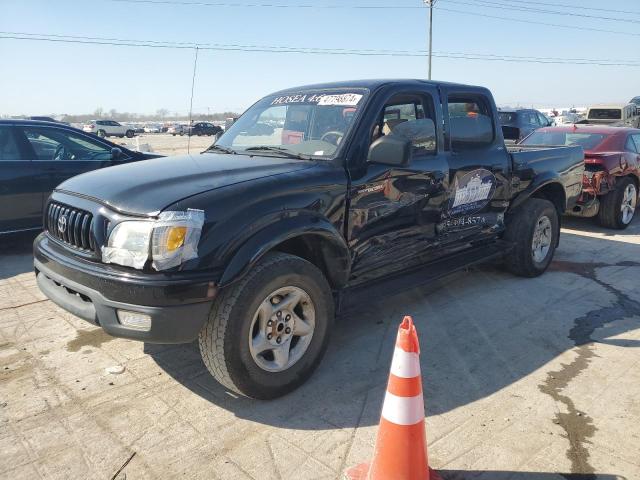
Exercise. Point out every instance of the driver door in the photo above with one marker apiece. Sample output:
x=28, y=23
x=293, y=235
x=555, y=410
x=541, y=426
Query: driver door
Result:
x=57, y=154
x=394, y=210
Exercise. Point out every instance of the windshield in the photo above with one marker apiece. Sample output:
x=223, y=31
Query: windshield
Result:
x=309, y=123
x=508, y=118
x=588, y=141
x=605, y=114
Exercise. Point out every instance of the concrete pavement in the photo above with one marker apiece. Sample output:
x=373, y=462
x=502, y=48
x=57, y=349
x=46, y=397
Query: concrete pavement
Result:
x=524, y=379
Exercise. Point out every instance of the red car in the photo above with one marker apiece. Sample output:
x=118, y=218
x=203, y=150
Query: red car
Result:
x=612, y=169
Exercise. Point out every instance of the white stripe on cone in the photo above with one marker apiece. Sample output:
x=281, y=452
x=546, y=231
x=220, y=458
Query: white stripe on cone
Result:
x=403, y=410
x=405, y=364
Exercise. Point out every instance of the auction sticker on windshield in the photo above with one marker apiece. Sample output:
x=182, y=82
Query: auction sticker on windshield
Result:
x=341, y=99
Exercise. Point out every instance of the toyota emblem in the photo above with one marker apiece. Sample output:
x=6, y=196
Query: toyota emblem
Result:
x=62, y=224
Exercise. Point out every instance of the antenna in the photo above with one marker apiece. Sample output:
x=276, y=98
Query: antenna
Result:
x=193, y=82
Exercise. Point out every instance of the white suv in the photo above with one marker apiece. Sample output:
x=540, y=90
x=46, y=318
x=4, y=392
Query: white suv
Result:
x=108, y=128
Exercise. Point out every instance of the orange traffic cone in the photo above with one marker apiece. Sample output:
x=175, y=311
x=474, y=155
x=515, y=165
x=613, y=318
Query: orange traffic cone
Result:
x=401, y=446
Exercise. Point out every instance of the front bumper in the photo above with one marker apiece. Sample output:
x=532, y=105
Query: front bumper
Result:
x=178, y=304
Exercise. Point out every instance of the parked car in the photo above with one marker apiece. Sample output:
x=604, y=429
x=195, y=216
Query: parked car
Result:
x=176, y=129
x=203, y=128
x=47, y=119
x=152, y=128
x=614, y=115
x=36, y=156
x=636, y=101
x=109, y=128
x=612, y=176
x=567, y=118
x=518, y=123
x=371, y=187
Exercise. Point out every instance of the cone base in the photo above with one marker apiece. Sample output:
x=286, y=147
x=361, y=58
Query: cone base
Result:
x=362, y=471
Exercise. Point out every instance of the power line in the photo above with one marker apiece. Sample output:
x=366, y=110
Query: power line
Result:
x=533, y=22
x=265, y=5
x=383, y=7
x=202, y=45
x=502, y=6
x=273, y=49
x=581, y=7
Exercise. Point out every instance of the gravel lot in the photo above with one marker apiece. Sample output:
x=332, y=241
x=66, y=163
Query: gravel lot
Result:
x=166, y=144
x=524, y=379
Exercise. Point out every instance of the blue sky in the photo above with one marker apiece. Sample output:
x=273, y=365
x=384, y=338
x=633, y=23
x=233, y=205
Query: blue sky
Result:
x=43, y=78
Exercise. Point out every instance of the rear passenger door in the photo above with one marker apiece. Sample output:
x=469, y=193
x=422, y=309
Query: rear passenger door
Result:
x=20, y=196
x=479, y=169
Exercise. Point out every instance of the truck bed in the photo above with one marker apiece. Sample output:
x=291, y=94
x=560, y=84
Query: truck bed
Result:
x=531, y=161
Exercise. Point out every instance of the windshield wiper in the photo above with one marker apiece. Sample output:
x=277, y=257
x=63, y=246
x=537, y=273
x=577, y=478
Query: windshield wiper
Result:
x=220, y=148
x=271, y=148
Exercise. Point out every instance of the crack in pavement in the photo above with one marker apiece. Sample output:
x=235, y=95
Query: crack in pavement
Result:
x=579, y=427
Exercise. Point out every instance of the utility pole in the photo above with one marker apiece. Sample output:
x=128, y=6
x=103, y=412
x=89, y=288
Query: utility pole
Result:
x=430, y=4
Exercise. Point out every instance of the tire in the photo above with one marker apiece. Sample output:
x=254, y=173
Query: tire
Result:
x=102, y=134
x=130, y=134
x=611, y=213
x=234, y=319
x=521, y=227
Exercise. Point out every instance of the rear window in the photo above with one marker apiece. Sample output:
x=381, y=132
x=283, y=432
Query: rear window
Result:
x=605, y=114
x=588, y=141
x=470, y=121
x=508, y=118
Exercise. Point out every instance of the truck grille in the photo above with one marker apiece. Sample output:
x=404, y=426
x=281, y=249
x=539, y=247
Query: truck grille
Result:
x=70, y=225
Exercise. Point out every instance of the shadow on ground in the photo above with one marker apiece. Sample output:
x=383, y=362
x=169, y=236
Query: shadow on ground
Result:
x=504, y=475
x=475, y=342
x=16, y=254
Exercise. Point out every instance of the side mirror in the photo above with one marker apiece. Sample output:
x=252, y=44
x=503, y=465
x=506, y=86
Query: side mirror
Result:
x=116, y=154
x=390, y=150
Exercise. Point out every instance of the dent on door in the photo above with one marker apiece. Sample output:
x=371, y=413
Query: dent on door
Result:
x=392, y=220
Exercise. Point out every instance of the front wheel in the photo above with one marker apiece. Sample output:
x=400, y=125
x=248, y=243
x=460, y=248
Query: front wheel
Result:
x=533, y=229
x=267, y=332
x=618, y=207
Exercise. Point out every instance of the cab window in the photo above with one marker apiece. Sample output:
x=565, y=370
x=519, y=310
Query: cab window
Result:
x=470, y=121
x=411, y=117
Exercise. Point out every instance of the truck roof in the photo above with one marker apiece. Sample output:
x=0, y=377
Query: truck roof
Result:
x=371, y=84
x=611, y=105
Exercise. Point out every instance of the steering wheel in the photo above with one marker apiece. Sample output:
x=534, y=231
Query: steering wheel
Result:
x=337, y=137
x=60, y=152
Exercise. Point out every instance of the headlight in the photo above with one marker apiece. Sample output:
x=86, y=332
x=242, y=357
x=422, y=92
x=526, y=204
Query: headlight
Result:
x=170, y=240
x=128, y=244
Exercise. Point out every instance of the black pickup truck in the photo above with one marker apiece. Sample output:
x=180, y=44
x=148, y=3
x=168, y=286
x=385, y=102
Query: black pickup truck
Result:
x=356, y=189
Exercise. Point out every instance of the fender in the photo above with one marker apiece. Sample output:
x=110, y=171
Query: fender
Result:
x=335, y=254
x=540, y=181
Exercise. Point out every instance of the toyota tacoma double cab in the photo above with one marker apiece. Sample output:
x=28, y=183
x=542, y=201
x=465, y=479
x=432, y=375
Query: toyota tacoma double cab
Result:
x=357, y=189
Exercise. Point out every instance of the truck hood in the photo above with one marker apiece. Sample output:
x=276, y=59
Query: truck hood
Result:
x=147, y=187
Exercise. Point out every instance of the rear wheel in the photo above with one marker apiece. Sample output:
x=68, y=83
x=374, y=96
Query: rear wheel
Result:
x=102, y=133
x=533, y=230
x=267, y=332
x=130, y=133
x=618, y=207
